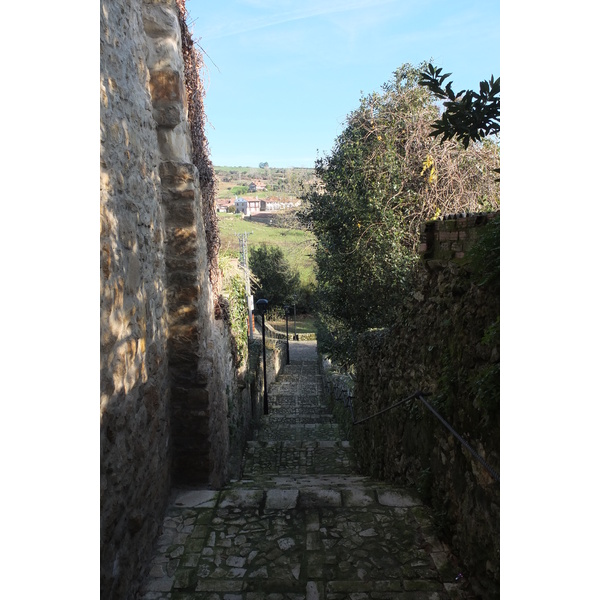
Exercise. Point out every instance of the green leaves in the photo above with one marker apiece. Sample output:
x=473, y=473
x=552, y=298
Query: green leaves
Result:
x=277, y=281
x=468, y=116
x=373, y=192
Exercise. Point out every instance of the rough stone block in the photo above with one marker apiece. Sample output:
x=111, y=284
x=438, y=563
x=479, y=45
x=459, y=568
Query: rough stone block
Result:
x=197, y=499
x=315, y=590
x=319, y=498
x=396, y=499
x=241, y=498
x=444, y=236
x=168, y=116
x=181, y=212
x=281, y=499
x=184, y=315
x=219, y=586
x=159, y=22
x=166, y=86
x=190, y=428
x=182, y=240
x=182, y=278
x=358, y=497
x=334, y=587
x=189, y=399
x=178, y=175
x=183, y=296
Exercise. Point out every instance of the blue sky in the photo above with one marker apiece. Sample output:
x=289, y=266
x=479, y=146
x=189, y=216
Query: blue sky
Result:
x=281, y=76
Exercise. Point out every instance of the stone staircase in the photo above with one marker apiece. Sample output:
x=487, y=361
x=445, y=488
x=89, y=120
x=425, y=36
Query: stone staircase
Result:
x=301, y=523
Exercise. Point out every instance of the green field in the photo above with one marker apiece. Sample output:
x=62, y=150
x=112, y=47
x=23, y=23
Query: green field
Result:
x=304, y=324
x=296, y=244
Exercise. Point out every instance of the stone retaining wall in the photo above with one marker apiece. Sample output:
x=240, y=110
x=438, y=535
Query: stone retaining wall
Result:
x=445, y=342
x=281, y=335
x=135, y=438
x=450, y=238
x=174, y=409
x=339, y=389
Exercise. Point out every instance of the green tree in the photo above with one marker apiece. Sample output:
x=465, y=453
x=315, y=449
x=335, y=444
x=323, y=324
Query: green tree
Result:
x=384, y=177
x=468, y=115
x=239, y=190
x=276, y=280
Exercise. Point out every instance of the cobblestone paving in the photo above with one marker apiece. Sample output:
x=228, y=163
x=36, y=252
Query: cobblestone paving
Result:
x=301, y=524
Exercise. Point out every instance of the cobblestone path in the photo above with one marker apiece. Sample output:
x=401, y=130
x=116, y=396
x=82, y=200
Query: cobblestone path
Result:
x=301, y=524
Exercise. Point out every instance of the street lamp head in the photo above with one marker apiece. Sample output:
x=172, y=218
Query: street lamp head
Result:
x=261, y=306
x=287, y=309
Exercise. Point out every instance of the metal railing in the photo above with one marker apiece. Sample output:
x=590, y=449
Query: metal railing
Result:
x=419, y=395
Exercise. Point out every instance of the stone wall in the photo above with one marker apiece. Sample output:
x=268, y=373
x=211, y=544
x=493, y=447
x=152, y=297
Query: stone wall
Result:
x=135, y=390
x=276, y=353
x=450, y=238
x=174, y=408
x=446, y=342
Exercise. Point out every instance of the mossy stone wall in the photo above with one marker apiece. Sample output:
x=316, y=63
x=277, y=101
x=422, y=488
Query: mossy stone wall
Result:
x=445, y=342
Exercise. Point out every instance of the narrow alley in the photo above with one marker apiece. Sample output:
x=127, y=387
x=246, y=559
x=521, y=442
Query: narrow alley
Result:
x=301, y=523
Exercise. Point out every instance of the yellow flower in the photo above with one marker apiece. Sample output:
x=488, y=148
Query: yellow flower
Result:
x=428, y=164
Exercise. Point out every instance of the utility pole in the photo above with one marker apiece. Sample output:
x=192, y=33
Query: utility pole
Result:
x=243, y=238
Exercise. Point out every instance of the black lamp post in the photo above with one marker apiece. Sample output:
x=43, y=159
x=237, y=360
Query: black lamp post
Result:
x=287, y=335
x=295, y=334
x=261, y=309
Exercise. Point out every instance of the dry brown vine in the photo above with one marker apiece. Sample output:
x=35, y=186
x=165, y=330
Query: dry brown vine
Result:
x=200, y=152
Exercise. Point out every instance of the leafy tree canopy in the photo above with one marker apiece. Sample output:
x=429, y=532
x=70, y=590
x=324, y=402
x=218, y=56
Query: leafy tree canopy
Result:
x=277, y=281
x=384, y=176
x=470, y=116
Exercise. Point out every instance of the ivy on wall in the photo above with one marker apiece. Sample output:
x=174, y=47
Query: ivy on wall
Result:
x=446, y=341
x=234, y=309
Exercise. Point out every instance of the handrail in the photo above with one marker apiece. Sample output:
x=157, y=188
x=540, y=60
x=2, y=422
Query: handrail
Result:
x=411, y=397
x=491, y=471
x=419, y=395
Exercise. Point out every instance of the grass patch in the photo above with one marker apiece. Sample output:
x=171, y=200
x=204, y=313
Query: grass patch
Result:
x=296, y=244
x=304, y=324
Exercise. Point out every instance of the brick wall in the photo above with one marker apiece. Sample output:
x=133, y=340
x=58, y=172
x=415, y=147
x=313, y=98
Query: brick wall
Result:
x=450, y=238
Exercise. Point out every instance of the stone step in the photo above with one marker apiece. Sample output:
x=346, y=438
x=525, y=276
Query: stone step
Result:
x=305, y=418
x=299, y=457
x=299, y=432
x=290, y=493
x=301, y=524
x=325, y=537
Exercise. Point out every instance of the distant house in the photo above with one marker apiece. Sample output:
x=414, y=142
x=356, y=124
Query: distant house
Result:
x=247, y=207
x=256, y=185
x=275, y=204
x=223, y=205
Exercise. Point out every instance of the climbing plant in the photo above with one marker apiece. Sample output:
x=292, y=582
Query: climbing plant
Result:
x=383, y=178
x=234, y=307
x=195, y=91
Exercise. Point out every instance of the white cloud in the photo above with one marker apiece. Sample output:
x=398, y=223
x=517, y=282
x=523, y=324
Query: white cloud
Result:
x=276, y=16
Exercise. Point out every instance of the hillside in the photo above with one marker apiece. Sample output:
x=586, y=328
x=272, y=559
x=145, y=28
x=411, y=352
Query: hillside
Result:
x=297, y=244
x=280, y=182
